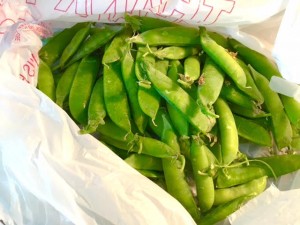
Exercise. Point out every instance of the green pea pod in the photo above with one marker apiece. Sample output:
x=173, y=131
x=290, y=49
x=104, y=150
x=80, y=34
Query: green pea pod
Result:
x=204, y=182
x=162, y=120
x=96, y=108
x=82, y=87
x=267, y=68
x=178, y=187
x=131, y=85
x=65, y=83
x=175, y=52
x=115, y=96
x=45, y=80
x=232, y=176
x=257, y=60
x=277, y=165
x=220, y=212
x=117, y=47
x=180, y=123
x=232, y=94
x=151, y=174
x=122, y=145
x=157, y=148
x=223, y=58
x=53, y=49
x=173, y=169
x=114, y=135
x=282, y=129
x=253, y=113
x=144, y=23
x=95, y=41
x=74, y=44
x=144, y=162
x=148, y=98
x=168, y=36
x=295, y=145
x=111, y=129
x=253, y=132
x=209, y=85
x=255, y=186
x=176, y=96
x=228, y=132
x=251, y=89
x=219, y=38
x=149, y=101
x=192, y=68
x=292, y=109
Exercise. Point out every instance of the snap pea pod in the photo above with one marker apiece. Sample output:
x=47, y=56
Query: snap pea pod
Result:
x=74, y=44
x=253, y=132
x=295, y=145
x=144, y=23
x=95, y=41
x=168, y=36
x=232, y=94
x=232, y=176
x=277, y=165
x=117, y=47
x=228, y=132
x=223, y=58
x=191, y=73
x=148, y=98
x=176, y=96
x=257, y=60
x=159, y=124
x=248, y=113
x=219, y=38
x=209, y=85
x=173, y=169
x=255, y=186
x=144, y=162
x=136, y=143
x=177, y=185
x=178, y=120
x=251, y=89
x=281, y=125
x=45, y=80
x=82, y=87
x=96, y=108
x=152, y=174
x=156, y=148
x=53, y=49
x=111, y=129
x=65, y=83
x=115, y=96
x=204, y=182
x=267, y=68
x=130, y=81
x=220, y=212
x=175, y=52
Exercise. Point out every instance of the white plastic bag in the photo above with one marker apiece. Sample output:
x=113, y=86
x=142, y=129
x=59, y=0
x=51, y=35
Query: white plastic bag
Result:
x=50, y=174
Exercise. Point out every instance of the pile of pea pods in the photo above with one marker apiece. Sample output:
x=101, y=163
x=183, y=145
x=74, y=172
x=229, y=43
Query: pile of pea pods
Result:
x=175, y=103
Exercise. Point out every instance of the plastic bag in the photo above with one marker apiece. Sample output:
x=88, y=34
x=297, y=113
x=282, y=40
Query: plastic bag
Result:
x=49, y=173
